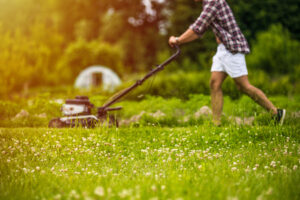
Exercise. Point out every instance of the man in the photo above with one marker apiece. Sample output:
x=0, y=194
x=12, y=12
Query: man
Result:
x=230, y=56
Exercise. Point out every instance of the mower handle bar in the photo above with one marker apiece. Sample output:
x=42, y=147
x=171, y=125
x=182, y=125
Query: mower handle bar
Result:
x=113, y=109
x=141, y=81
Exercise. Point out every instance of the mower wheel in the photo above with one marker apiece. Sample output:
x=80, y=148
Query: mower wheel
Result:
x=111, y=120
x=91, y=123
x=56, y=123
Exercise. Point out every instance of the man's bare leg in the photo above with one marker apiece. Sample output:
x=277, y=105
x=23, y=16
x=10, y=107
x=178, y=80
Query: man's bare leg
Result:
x=256, y=94
x=216, y=80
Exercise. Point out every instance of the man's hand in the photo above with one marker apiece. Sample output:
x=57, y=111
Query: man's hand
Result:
x=173, y=41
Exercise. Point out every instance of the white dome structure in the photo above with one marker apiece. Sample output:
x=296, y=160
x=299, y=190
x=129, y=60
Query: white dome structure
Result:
x=96, y=76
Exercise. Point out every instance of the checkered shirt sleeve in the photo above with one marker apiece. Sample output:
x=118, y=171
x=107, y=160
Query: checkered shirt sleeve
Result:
x=206, y=17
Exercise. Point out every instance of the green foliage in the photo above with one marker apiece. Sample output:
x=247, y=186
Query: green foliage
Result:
x=8, y=109
x=182, y=84
x=176, y=112
x=39, y=112
x=26, y=62
x=81, y=54
x=179, y=113
x=275, y=52
x=256, y=15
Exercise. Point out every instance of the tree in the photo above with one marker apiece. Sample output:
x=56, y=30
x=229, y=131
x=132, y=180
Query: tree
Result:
x=256, y=15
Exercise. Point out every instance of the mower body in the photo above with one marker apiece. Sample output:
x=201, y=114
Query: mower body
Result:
x=78, y=113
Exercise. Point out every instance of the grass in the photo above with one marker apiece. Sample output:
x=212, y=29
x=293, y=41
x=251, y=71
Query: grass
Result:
x=175, y=109
x=153, y=159
x=196, y=162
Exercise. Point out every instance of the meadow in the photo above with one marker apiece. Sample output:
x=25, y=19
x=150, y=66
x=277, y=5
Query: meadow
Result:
x=156, y=158
x=199, y=162
x=166, y=146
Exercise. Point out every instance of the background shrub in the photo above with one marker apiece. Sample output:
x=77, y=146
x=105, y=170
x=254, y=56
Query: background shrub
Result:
x=26, y=63
x=275, y=51
x=182, y=84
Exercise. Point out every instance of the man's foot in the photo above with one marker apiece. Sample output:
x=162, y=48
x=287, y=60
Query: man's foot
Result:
x=279, y=118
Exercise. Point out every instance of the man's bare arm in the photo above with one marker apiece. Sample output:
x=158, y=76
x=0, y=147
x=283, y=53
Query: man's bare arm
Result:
x=188, y=36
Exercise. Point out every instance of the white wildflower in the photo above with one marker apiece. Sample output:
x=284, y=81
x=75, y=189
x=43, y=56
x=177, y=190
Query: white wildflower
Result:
x=295, y=167
x=153, y=188
x=148, y=174
x=273, y=164
x=99, y=191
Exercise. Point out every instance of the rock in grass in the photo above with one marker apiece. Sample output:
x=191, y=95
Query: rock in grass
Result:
x=22, y=114
x=296, y=114
x=186, y=118
x=237, y=120
x=204, y=111
x=136, y=118
x=157, y=114
x=133, y=119
x=248, y=120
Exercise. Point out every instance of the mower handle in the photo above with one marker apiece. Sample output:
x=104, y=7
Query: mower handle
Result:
x=140, y=82
x=113, y=109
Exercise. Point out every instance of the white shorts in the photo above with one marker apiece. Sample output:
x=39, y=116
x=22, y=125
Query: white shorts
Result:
x=233, y=64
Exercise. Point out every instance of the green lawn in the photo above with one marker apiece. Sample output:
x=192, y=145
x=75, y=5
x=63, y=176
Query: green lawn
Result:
x=194, y=162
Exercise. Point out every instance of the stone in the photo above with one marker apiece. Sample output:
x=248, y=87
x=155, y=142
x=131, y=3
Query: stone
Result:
x=22, y=114
x=157, y=114
x=248, y=121
x=204, y=111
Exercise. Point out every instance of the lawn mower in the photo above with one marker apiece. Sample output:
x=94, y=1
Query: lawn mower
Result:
x=78, y=112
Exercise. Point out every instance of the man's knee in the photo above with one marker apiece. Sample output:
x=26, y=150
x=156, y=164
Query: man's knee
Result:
x=215, y=84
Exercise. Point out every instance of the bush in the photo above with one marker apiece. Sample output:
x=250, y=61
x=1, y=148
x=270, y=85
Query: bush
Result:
x=182, y=84
x=8, y=109
x=27, y=62
x=275, y=52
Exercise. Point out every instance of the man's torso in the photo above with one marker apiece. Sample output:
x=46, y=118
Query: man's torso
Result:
x=226, y=29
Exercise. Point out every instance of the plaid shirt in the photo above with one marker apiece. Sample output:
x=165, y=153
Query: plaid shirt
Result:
x=218, y=15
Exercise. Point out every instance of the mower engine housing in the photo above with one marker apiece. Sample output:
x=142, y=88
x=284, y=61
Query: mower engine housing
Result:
x=81, y=105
